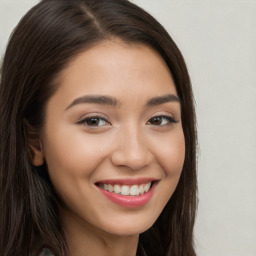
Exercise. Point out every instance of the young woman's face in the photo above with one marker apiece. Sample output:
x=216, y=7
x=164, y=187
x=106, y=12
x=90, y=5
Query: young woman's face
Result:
x=114, y=124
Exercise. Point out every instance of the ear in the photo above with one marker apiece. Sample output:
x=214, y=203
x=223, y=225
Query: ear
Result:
x=33, y=144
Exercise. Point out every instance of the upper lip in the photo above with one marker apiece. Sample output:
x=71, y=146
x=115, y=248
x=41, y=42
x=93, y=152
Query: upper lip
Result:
x=127, y=181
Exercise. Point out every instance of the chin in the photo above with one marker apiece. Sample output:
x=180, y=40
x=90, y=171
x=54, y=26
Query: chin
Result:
x=129, y=228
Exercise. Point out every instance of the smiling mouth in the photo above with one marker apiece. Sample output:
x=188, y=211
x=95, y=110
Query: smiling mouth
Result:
x=127, y=190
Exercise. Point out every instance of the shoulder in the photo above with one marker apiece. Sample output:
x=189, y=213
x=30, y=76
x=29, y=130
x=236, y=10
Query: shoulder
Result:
x=46, y=252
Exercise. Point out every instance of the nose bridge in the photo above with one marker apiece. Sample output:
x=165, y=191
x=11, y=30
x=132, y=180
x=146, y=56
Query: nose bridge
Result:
x=132, y=148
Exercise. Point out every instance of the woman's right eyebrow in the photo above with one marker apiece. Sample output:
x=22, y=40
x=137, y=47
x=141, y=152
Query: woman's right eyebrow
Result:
x=96, y=99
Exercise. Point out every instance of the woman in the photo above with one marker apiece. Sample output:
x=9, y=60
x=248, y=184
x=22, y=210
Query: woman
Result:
x=98, y=137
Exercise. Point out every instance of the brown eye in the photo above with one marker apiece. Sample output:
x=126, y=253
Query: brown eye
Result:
x=156, y=120
x=161, y=120
x=94, y=122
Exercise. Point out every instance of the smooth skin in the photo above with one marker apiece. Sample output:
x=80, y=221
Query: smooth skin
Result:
x=122, y=136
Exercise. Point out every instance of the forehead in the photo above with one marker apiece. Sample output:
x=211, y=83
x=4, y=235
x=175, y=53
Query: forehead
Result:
x=113, y=67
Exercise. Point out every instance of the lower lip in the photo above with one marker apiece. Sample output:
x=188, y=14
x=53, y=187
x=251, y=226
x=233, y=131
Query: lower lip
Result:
x=129, y=201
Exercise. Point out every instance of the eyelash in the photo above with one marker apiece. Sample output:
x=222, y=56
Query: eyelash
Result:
x=85, y=121
x=170, y=119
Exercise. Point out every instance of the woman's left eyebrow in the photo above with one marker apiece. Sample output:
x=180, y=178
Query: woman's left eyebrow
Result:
x=163, y=99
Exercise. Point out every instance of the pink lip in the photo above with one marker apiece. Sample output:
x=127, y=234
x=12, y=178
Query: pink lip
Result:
x=129, y=201
x=128, y=181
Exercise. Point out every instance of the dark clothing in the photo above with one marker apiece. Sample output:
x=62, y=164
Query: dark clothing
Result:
x=46, y=252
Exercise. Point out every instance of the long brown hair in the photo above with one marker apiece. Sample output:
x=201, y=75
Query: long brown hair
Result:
x=43, y=43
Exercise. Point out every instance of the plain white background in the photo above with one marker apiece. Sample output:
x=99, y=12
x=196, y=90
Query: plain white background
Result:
x=218, y=41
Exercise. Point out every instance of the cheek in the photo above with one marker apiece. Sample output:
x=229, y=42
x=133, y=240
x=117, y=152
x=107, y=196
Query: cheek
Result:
x=170, y=153
x=72, y=151
x=71, y=162
x=174, y=158
x=170, y=157
x=71, y=159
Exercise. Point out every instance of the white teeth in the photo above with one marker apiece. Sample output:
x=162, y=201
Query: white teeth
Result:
x=134, y=190
x=117, y=189
x=125, y=190
x=147, y=187
x=110, y=188
x=141, y=189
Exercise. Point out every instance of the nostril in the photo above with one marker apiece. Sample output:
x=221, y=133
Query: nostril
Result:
x=133, y=160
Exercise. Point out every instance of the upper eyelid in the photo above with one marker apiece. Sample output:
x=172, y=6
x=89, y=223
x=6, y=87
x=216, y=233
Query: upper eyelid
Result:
x=162, y=115
x=170, y=117
x=83, y=120
x=93, y=115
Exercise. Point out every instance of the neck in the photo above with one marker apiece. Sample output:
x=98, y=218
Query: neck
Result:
x=84, y=239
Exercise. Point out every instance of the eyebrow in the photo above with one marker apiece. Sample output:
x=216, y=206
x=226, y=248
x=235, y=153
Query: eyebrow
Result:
x=96, y=99
x=111, y=101
x=163, y=99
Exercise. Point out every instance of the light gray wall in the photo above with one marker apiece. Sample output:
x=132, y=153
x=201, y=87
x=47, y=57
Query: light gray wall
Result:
x=218, y=41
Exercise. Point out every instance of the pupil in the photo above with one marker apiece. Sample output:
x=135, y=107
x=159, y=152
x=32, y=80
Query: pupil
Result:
x=93, y=121
x=157, y=120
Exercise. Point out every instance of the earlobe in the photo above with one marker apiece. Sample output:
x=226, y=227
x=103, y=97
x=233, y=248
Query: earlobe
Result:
x=33, y=145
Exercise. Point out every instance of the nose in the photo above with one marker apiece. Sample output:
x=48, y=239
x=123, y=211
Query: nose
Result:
x=131, y=149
